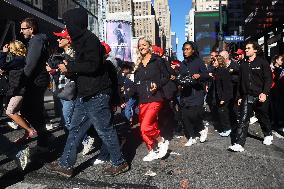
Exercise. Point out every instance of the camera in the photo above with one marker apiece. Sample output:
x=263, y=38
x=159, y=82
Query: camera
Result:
x=56, y=59
x=185, y=79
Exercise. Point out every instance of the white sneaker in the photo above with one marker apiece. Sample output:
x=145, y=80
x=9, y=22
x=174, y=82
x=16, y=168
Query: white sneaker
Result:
x=22, y=158
x=98, y=161
x=190, y=142
x=203, y=134
x=151, y=156
x=236, y=148
x=87, y=145
x=253, y=120
x=268, y=140
x=13, y=125
x=225, y=133
x=163, y=148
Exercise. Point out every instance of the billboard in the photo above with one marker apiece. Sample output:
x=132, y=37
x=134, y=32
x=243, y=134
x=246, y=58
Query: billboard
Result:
x=118, y=36
x=206, y=31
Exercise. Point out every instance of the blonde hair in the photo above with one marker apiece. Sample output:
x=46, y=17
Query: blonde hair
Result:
x=221, y=61
x=139, y=57
x=17, y=48
x=207, y=60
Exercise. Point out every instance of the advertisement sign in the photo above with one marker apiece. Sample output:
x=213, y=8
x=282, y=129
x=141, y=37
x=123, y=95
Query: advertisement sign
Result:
x=206, y=31
x=118, y=36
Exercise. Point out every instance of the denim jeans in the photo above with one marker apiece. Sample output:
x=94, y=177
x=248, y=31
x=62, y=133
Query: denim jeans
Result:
x=67, y=111
x=130, y=108
x=95, y=111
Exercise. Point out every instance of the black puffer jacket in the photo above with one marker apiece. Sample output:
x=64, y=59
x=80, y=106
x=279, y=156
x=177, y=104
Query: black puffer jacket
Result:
x=92, y=75
x=154, y=72
x=14, y=68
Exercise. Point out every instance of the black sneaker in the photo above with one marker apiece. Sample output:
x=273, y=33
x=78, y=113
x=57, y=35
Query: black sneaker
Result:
x=116, y=170
x=55, y=167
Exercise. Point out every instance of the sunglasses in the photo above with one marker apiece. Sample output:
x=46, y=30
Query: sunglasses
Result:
x=25, y=28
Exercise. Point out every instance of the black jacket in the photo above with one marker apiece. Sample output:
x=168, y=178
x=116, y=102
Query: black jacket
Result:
x=14, y=67
x=92, y=74
x=154, y=72
x=255, y=77
x=36, y=59
x=193, y=94
x=221, y=88
x=234, y=71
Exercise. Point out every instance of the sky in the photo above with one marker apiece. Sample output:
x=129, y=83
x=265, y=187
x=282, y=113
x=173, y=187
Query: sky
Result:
x=179, y=8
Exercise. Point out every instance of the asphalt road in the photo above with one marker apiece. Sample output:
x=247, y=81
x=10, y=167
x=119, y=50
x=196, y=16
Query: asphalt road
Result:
x=204, y=165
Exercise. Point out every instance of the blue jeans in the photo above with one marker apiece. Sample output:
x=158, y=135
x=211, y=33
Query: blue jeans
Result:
x=67, y=112
x=129, y=108
x=95, y=111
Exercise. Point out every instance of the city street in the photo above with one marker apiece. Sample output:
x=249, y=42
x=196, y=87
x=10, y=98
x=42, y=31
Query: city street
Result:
x=208, y=165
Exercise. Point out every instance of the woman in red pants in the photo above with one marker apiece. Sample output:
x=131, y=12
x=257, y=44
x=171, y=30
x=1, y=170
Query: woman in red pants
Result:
x=150, y=76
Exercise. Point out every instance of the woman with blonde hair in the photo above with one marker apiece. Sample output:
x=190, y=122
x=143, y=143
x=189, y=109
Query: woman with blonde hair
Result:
x=12, y=61
x=149, y=77
x=220, y=94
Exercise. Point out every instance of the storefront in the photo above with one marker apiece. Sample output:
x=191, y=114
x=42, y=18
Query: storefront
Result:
x=13, y=11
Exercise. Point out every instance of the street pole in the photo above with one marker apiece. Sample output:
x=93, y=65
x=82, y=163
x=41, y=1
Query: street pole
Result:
x=220, y=26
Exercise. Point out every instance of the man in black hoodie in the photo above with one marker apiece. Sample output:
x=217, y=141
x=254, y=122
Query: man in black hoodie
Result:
x=93, y=95
x=255, y=82
x=37, y=80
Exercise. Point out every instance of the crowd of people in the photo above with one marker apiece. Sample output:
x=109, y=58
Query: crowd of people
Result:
x=167, y=96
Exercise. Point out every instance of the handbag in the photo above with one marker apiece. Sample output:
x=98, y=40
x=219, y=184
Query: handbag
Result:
x=68, y=92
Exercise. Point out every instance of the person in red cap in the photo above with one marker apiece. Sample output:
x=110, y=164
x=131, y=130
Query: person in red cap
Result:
x=240, y=55
x=60, y=80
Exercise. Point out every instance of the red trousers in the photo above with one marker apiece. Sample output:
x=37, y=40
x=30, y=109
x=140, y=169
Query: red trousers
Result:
x=148, y=118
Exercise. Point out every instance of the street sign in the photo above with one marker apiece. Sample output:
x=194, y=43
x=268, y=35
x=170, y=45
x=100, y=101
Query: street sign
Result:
x=234, y=38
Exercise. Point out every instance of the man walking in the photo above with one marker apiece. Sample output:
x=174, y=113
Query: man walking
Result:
x=37, y=79
x=255, y=82
x=92, y=104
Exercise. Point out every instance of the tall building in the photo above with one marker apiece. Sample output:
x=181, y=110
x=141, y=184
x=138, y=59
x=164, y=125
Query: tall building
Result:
x=264, y=22
x=207, y=5
x=144, y=20
x=235, y=16
x=102, y=19
x=163, y=15
x=202, y=24
x=174, y=43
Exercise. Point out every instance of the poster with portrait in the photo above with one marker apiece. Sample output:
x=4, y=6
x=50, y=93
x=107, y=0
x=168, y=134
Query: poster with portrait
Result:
x=118, y=36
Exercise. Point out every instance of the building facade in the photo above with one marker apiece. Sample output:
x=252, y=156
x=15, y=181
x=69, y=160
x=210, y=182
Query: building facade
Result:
x=163, y=17
x=144, y=22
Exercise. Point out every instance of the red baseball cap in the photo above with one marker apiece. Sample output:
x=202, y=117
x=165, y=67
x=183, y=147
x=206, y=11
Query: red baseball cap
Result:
x=240, y=51
x=64, y=34
x=107, y=47
x=176, y=62
x=155, y=49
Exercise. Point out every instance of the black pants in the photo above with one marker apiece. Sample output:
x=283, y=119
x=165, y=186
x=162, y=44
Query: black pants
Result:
x=224, y=117
x=192, y=119
x=33, y=111
x=261, y=112
x=167, y=122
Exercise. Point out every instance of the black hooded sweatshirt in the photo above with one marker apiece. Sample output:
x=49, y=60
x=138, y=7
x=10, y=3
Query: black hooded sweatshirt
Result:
x=92, y=75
